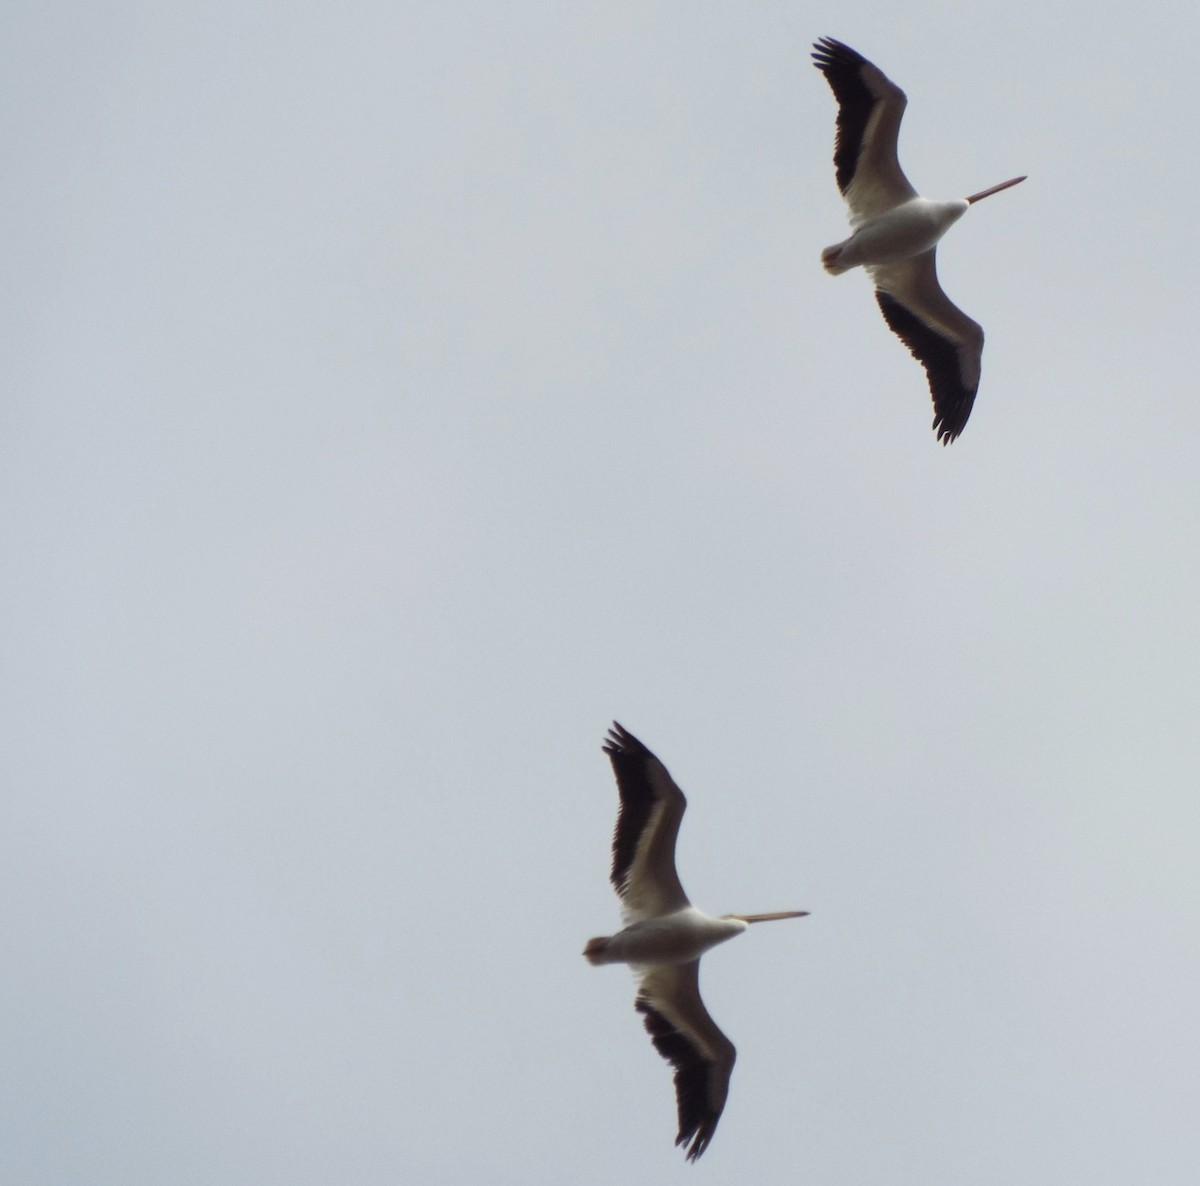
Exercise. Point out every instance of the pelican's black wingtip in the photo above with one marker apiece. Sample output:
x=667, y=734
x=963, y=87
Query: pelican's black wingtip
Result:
x=620, y=740
x=701, y=1139
x=945, y=435
x=950, y=422
x=828, y=52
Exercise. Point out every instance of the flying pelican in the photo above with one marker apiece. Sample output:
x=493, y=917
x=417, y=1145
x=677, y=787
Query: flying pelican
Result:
x=896, y=231
x=665, y=936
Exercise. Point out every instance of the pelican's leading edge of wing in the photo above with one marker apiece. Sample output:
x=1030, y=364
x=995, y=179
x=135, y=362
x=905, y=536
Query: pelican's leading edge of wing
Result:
x=688, y=1038
x=946, y=342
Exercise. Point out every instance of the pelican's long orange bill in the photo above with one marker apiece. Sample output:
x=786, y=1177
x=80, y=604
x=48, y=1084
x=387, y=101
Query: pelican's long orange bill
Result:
x=770, y=917
x=995, y=189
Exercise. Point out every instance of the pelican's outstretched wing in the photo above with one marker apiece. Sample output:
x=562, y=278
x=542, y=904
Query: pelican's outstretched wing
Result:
x=688, y=1038
x=643, y=868
x=870, y=107
x=946, y=342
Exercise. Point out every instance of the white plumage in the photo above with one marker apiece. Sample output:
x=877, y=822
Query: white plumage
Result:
x=664, y=937
x=896, y=231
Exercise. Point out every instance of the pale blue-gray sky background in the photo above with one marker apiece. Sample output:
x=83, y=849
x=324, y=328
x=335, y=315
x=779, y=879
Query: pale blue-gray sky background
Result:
x=394, y=395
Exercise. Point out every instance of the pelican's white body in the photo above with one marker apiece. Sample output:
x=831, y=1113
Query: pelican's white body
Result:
x=675, y=938
x=900, y=233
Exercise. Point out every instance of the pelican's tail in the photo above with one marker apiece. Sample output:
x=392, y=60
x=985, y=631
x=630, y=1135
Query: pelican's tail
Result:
x=596, y=950
x=831, y=259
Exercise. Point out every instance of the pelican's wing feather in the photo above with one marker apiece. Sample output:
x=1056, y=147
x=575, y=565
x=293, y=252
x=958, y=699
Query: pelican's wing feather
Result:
x=870, y=107
x=688, y=1038
x=643, y=867
x=946, y=342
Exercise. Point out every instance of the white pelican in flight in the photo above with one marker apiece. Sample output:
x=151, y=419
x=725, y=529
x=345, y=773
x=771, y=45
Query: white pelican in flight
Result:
x=665, y=936
x=896, y=231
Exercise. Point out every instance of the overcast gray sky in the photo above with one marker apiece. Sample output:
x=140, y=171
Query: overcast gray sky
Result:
x=395, y=394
